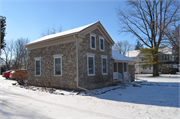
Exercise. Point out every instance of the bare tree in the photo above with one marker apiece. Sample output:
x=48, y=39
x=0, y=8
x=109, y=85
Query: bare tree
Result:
x=147, y=20
x=172, y=38
x=122, y=47
x=20, y=54
x=8, y=54
x=15, y=55
x=52, y=30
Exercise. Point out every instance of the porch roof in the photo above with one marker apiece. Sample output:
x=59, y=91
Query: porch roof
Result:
x=119, y=57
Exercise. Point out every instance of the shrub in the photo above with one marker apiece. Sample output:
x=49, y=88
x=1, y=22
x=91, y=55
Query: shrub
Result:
x=173, y=70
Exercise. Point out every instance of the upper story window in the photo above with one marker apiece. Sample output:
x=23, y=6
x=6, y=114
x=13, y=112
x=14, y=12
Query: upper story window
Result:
x=93, y=41
x=101, y=43
x=57, y=65
x=37, y=66
x=90, y=64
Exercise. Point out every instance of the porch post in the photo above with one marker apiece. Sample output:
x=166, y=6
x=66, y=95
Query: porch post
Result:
x=117, y=66
x=123, y=67
x=127, y=71
x=123, y=72
x=127, y=67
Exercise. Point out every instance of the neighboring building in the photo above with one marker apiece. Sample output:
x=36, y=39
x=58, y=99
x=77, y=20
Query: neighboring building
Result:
x=165, y=55
x=79, y=58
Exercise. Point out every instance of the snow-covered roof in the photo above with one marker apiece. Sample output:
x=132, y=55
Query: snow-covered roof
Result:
x=133, y=53
x=64, y=33
x=166, y=50
x=120, y=57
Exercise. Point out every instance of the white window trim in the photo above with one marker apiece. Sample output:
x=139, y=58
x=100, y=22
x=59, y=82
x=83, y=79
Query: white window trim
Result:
x=92, y=34
x=104, y=57
x=90, y=55
x=100, y=37
x=37, y=59
x=55, y=57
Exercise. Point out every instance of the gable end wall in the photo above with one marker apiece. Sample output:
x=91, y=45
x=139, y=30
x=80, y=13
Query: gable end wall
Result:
x=99, y=80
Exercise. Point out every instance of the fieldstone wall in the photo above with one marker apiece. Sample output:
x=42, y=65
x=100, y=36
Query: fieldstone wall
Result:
x=99, y=80
x=47, y=78
x=68, y=80
x=131, y=70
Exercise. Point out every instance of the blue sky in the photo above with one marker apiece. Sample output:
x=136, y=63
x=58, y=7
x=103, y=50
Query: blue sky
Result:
x=28, y=19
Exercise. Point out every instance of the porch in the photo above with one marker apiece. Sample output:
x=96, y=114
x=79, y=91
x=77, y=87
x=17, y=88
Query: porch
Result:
x=124, y=70
x=121, y=72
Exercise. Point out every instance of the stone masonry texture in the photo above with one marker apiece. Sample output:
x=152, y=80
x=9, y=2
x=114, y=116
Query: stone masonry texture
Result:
x=131, y=70
x=68, y=79
x=47, y=78
x=98, y=80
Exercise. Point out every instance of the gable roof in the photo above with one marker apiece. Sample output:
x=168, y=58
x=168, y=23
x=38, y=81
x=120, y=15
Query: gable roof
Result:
x=166, y=50
x=71, y=32
x=120, y=57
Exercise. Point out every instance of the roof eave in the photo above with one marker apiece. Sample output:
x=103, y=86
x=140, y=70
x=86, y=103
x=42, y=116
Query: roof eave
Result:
x=64, y=36
x=124, y=61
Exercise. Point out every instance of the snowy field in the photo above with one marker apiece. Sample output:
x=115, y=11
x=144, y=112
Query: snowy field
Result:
x=157, y=98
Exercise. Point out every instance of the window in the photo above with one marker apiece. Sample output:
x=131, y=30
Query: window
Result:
x=90, y=65
x=149, y=67
x=93, y=41
x=101, y=43
x=104, y=64
x=57, y=65
x=37, y=66
x=165, y=57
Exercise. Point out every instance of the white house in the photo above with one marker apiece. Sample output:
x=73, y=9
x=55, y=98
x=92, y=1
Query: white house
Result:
x=165, y=54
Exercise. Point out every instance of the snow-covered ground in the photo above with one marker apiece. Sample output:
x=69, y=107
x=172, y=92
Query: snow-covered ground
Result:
x=158, y=97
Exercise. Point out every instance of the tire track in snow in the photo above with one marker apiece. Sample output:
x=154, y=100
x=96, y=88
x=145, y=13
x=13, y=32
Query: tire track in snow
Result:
x=19, y=112
x=97, y=115
x=77, y=109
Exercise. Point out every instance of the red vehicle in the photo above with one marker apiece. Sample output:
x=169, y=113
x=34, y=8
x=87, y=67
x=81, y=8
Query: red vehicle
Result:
x=6, y=74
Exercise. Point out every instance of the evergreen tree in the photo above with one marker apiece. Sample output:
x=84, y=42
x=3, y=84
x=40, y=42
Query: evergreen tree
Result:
x=3, y=28
x=138, y=46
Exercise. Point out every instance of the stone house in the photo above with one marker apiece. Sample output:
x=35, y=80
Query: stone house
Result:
x=79, y=58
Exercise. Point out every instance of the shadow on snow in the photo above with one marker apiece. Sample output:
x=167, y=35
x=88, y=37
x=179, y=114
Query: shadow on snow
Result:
x=151, y=93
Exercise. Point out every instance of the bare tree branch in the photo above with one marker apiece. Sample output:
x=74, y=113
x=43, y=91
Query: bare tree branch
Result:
x=122, y=47
x=52, y=30
x=148, y=20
